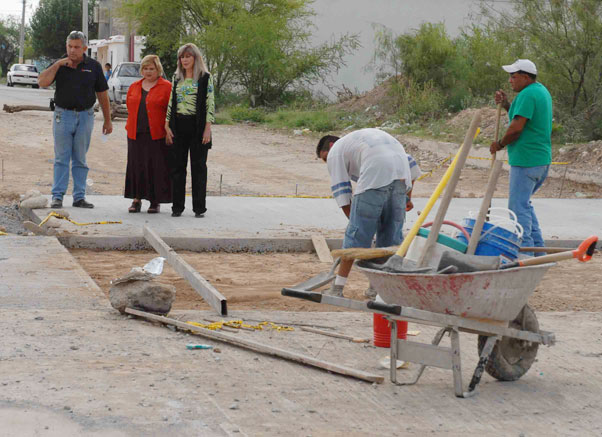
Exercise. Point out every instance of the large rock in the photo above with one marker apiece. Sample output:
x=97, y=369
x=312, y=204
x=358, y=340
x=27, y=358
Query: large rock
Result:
x=149, y=296
x=34, y=202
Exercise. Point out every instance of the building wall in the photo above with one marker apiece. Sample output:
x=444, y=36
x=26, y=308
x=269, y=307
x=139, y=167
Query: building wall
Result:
x=336, y=17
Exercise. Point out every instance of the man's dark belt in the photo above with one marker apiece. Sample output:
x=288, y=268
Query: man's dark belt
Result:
x=73, y=108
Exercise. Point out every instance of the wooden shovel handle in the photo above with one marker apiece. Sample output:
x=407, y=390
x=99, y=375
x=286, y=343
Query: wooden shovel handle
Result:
x=583, y=253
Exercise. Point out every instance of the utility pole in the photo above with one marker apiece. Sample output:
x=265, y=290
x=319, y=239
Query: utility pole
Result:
x=22, y=35
x=85, y=18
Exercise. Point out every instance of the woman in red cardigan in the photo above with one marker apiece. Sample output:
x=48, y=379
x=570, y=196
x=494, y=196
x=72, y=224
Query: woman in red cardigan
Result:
x=147, y=174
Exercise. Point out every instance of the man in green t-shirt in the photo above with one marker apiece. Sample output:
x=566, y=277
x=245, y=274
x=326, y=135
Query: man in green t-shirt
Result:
x=529, y=144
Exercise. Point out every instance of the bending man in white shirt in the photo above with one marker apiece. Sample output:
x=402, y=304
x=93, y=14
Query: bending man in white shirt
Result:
x=381, y=168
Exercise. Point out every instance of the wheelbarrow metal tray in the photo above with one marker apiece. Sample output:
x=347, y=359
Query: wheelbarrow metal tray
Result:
x=495, y=295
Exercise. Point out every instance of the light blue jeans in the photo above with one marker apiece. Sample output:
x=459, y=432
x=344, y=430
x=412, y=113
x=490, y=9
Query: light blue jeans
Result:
x=524, y=182
x=72, y=131
x=379, y=211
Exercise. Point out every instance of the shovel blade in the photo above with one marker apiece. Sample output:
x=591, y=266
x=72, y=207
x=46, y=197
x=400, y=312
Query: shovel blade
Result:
x=315, y=282
x=468, y=263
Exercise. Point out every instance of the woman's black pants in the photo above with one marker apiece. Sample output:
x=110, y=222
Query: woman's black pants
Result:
x=186, y=140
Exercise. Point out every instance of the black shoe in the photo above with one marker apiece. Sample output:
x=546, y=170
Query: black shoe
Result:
x=199, y=214
x=56, y=203
x=176, y=214
x=81, y=203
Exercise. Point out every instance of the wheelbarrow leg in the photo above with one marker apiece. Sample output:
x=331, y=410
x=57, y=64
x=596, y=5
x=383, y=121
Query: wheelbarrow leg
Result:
x=456, y=362
x=394, y=345
x=483, y=359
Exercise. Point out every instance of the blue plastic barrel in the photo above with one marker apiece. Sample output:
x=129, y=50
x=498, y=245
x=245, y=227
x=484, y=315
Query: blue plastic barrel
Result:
x=494, y=240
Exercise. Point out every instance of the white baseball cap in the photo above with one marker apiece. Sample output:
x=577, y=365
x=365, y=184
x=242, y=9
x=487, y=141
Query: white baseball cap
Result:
x=521, y=65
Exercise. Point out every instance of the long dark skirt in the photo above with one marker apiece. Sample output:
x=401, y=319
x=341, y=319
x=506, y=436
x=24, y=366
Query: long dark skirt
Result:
x=147, y=174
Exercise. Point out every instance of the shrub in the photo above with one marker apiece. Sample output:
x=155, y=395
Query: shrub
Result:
x=244, y=113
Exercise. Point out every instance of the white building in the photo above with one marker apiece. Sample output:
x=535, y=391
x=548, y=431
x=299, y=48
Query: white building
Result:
x=115, y=50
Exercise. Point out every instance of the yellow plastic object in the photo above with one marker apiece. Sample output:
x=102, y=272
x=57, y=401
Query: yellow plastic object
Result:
x=238, y=324
x=58, y=216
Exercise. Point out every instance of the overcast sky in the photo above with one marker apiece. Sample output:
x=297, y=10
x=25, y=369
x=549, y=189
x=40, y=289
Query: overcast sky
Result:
x=14, y=8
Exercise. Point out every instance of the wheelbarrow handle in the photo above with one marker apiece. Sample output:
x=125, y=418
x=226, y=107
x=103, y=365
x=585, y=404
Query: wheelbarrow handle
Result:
x=301, y=294
x=394, y=310
x=583, y=253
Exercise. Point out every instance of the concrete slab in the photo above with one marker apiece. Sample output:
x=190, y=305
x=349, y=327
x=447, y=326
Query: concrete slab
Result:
x=71, y=365
x=38, y=272
x=268, y=218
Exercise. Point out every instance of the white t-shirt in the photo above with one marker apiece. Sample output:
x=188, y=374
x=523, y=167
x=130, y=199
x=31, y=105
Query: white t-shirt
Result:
x=370, y=157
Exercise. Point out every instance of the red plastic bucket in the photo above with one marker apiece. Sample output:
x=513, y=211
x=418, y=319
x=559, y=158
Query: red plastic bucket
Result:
x=382, y=331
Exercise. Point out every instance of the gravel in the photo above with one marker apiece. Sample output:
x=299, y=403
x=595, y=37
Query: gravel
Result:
x=11, y=219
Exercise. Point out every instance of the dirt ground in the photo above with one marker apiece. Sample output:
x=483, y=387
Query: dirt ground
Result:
x=246, y=159
x=254, y=160
x=253, y=281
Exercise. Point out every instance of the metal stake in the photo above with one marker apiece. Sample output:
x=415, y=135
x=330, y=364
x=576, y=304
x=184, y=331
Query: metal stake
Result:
x=563, y=178
x=296, y=187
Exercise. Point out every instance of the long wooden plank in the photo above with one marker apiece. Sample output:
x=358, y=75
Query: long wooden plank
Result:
x=201, y=286
x=322, y=249
x=262, y=348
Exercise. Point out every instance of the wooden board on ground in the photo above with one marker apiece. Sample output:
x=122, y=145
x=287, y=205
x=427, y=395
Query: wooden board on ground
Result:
x=262, y=348
x=200, y=284
x=322, y=248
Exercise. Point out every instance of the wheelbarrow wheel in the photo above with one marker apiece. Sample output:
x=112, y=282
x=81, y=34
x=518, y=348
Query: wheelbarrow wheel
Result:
x=511, y=358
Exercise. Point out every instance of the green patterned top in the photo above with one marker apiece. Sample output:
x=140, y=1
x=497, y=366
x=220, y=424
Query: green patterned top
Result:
x=186, y=92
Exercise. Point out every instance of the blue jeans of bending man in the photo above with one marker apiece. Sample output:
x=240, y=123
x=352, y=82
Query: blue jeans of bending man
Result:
x=379, y=211
x=72, y=131
x=524, y=182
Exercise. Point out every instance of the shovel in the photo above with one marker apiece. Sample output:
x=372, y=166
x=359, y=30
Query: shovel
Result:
x=395, y=264
x=583, y=253
x=318, y=280
x=474, y=263
x=494, y=174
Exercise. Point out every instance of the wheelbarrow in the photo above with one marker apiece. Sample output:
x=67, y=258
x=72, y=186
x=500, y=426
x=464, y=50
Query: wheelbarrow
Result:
x=491, y=304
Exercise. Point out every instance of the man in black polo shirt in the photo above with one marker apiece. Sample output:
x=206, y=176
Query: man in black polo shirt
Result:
x=79, y=81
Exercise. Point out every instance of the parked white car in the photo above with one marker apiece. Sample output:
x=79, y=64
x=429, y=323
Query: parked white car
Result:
x=22, y=74
x=123, y=76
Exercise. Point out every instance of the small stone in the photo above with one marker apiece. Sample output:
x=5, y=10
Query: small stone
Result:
x=217, y=350
x=73, y=348
x=62, y=212
x=234, y=406
x=39, y=318
x=53, y=222
x=33, y=228
x=34, y=203
x=66, y=407
x=275, y=410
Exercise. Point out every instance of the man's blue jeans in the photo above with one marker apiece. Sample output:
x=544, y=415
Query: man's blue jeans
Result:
x=524, y=182
x=379, y=211
x=72, y=131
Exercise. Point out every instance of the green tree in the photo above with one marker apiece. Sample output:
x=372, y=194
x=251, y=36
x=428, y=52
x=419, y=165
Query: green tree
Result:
x=270, y=50
x=52, y=22
x=563, y=38
x=259, y=45
x=9, y=43
x=162, y=23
